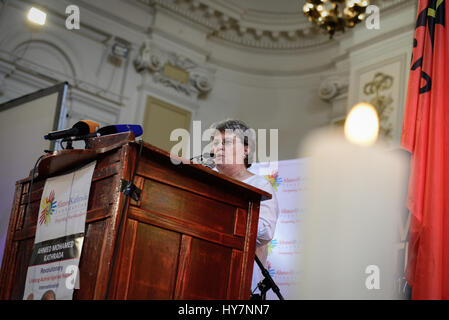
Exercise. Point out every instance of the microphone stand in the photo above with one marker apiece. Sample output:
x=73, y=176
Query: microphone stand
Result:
x=70, y=140
x=266, y=284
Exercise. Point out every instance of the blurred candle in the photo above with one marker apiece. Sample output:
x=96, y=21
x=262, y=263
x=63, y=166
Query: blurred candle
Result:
x=350, y=232
x=362, y=124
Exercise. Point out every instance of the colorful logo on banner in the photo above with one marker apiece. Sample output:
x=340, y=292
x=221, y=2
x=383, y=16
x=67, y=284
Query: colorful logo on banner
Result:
x=271, y=245
x=48, y=206
x=274, y=179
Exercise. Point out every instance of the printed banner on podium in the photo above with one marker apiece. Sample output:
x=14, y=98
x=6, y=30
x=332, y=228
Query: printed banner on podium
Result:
x=53, y=267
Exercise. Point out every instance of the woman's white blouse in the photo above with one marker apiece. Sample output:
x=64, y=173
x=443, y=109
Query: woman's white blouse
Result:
x=268, y=215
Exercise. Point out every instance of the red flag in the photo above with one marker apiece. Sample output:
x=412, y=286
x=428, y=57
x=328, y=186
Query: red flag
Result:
x=425, y=133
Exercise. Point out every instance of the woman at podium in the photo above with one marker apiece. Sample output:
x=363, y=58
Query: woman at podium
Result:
x=233, y=145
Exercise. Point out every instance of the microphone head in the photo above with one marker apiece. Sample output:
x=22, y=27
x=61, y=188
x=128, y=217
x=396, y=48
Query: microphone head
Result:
x=208, y=160
x=86, y=127
x=137, y=129
x=93, y=126
x=118, y=128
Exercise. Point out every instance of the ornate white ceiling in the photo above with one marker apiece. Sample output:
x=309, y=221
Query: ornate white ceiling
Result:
x=269, y=6
x=265, y=24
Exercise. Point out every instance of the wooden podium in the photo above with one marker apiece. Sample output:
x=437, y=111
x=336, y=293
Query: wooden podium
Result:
x=191, y=235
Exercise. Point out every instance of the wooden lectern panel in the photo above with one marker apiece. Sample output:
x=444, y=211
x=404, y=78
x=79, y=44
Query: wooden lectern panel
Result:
x=190, y=236
x=154, y=255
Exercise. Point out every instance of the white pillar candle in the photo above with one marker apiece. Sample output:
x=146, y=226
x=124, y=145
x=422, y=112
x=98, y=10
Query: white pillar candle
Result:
x=350, y=232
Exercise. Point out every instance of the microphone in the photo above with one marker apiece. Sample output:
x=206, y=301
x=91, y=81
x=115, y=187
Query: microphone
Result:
x=207, y=155
x=206, y=159
x=118, y=128
x=80, y=128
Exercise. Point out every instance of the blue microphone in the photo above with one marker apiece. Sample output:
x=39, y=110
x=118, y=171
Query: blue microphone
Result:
x=119, y=128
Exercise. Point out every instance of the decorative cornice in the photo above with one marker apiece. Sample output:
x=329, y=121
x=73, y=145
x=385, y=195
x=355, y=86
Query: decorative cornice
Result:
x=333, y=87
x=243, y=30
x=174, y=71
x=249, y=28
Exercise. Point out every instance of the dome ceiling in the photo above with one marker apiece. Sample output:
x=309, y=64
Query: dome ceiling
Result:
x=263, y=24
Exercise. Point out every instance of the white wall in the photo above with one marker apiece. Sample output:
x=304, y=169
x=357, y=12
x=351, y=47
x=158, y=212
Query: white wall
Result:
x=289, y=104
x=271, y=89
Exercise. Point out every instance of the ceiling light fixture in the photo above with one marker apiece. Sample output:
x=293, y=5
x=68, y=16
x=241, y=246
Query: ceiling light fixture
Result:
x=335, y=15
x=37, y=16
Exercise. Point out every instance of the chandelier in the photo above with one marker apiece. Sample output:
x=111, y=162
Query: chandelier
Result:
x=335, y=15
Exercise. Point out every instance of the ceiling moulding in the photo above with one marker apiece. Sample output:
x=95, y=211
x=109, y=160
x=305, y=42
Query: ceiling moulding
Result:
x=232, y=22
x=174, y=71
x=241, y=28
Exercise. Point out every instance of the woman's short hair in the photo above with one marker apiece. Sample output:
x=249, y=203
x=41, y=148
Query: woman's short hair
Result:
x=246, y=134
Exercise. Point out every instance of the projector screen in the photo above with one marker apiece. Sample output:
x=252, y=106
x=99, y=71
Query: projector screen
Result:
x=24, y=122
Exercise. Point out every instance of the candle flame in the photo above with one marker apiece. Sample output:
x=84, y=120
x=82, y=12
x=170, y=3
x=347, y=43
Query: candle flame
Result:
x=362, y=124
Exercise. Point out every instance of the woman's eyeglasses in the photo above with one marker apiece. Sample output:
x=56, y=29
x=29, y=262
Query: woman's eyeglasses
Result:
x=225, y=143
